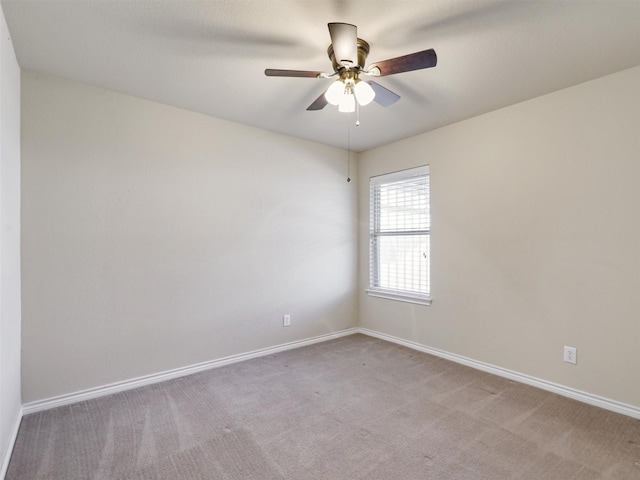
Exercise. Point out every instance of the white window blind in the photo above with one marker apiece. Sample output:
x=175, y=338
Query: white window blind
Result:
x=399, y=241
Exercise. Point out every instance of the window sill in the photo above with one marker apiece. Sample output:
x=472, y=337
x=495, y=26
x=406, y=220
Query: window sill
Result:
x=420, y=300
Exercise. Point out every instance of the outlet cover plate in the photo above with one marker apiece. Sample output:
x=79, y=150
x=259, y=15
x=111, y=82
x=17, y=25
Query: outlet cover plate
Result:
x=570, y=355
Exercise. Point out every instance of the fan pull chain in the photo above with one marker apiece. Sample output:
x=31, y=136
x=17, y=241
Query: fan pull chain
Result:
x=348, y=148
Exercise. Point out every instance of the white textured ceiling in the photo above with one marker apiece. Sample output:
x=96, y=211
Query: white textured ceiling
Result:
x=209, y=56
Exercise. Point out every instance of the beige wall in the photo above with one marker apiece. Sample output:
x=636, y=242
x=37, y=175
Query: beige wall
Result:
x=156, y=238
x=535, y=237
x=9, y=244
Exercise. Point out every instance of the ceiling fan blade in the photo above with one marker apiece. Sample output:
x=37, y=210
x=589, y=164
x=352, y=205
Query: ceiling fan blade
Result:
x=273, y=72
x=406, y=63
x=344, y=38
x=319, y=103
x=384, y=96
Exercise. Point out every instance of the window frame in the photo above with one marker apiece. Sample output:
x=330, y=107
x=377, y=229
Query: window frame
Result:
x=422, y=298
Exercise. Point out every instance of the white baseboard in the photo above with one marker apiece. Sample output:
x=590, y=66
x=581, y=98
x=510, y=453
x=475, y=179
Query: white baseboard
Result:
x=101, y=391
x=579, y=395
x=117, y=387
x=12, y=441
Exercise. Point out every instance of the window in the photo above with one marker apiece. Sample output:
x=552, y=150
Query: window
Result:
x=399, y=241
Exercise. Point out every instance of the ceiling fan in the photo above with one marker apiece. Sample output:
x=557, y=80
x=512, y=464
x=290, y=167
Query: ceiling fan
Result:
x=348, y=54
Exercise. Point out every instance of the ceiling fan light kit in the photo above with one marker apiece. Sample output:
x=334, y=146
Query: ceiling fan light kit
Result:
x=348, y=55
x=345, y=91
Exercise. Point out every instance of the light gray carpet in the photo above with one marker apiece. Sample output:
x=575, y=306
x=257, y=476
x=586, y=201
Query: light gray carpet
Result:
x=352, y=408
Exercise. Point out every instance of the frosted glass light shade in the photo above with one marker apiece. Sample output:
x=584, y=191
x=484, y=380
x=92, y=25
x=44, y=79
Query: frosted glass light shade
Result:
x=364, y=93
x=335, y=93
x=347, y=103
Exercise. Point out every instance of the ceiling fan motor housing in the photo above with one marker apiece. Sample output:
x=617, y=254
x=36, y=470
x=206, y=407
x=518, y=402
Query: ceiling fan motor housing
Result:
x=363, y=52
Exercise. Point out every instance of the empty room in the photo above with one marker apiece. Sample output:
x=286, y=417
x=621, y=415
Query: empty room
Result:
x=341, y=240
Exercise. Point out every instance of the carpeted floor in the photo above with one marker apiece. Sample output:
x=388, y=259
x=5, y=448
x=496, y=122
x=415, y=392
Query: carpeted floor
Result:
x=352, y=408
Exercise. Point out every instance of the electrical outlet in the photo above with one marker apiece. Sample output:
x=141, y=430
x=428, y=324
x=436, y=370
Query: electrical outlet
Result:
x=570, y=355
x=286, y=320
